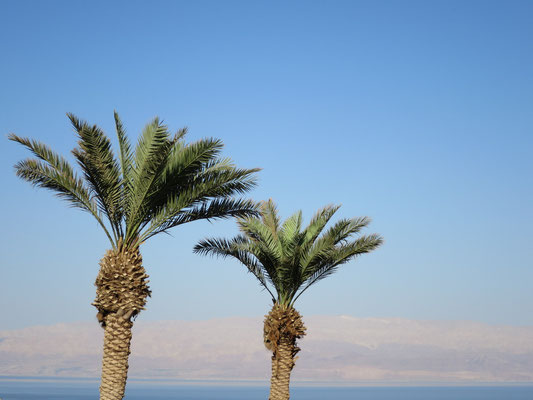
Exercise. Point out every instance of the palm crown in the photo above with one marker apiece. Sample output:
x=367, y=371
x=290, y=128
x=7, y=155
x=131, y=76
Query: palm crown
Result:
x=162, y=183
x=286, y=259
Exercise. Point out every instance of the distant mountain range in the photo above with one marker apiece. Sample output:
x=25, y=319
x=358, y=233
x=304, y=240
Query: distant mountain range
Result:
x=337, y=349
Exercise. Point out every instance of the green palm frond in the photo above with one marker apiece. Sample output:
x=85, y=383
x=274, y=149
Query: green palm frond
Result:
x=151, y=155
x=291, y=228
x=269, y=215
x=289, y=258
x=205, y=196
x=267, y=262
x=125, y=156
x=43, y=152
x=341, y=254
x=337, y=256
x=264, y=237
x=154, y=138
x=56, y=174
x=339, y=232
x=191, y=178
x=346, y=227
x=238, y=248
x=187, y=161
x=101, y=170
x=160, y=184
x=318, y=222
x=223, y=182
x=176, y=213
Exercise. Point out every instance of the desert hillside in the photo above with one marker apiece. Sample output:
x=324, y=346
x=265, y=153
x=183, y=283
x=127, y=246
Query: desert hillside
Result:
x=337, y=348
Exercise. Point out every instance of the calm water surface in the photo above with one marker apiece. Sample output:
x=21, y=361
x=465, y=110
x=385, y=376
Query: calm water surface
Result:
x=89, y=391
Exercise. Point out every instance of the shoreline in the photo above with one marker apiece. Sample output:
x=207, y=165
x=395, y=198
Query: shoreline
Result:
x=259, y=383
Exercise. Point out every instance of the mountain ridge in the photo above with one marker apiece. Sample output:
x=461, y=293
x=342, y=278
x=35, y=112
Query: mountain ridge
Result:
x=336, y=349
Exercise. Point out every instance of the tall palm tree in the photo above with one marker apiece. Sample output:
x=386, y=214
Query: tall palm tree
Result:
x=286, y=261
x=162, y=183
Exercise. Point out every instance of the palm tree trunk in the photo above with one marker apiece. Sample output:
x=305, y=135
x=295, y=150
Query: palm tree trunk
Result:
x=121, y=293
x=117, y=339
x=283, y=326
x=282, y=365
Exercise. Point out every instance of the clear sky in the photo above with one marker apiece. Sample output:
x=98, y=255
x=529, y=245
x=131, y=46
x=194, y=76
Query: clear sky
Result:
x=418, y=114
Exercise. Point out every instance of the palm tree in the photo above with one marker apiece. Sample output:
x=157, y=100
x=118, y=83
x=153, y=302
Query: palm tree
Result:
x=162, y=183
x=287, y=260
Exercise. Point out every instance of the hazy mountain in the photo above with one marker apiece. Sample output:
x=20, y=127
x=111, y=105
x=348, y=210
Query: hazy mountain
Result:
x=337, y=348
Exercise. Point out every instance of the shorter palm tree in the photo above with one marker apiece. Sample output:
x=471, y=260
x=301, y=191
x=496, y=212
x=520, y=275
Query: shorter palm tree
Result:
x=287, y=260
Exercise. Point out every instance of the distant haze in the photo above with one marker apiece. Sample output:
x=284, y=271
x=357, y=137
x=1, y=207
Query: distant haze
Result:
x=337, y=349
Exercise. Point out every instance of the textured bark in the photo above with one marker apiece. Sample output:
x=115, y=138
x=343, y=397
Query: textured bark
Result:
x=282, y=365
x=117, y=338
x=121, y=293
x=283, y=326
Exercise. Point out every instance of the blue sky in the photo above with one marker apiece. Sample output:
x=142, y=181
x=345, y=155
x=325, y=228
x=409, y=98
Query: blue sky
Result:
x=417, y=114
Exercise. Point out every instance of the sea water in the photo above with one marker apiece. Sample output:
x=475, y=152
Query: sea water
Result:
x=19, y=390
